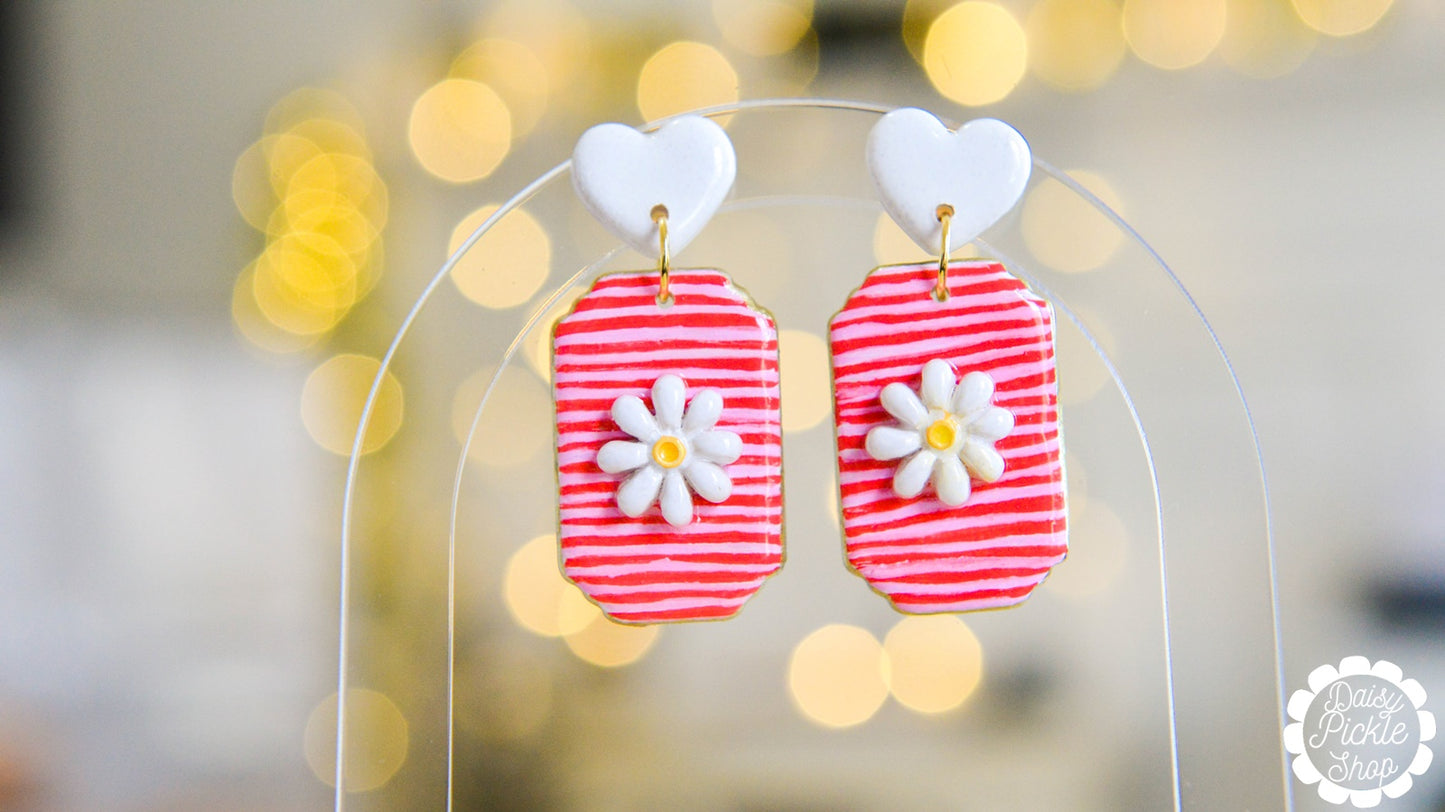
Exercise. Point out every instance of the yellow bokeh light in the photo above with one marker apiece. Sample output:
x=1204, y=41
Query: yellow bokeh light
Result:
x=1265, y=38
x=334, y=396
x=611, y=645
x=251, y=188
x=806, y=384
x=353, y=180
x=934, y=662
x=377, y=739
x=301, y=288
x=918, y=15
x=975, y=53
x=685, y=76
x=511, y=69
x=285, y=153
x=1341, y=18
x=517, y=422
x=1075, y=45
x=508, y=264
x=554, y=30
x=838, y=675
x=333, y=136
x=307, y=103
x=460, y=130
x=1063, y=230
x=763, y=27
x=540, y=599
x=1098, y=553
x=1174, y=34
x=255, y=327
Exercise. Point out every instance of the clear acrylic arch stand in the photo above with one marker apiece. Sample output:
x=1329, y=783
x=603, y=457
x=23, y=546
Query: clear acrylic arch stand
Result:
x=1144, y=673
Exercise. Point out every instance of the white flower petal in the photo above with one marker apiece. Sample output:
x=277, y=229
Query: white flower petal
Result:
x=993, y=424
x=708, y=481
x=622, y=455
x=719, y=446
x=938, y=382
x=637, y=493
x=913, y=474
x=982, y=460
x=669, y=393
x=891, y=442
x=632, y=417
x=950, y=481
x=974, y=392
x=703, y=411
x=900, y=402
x=676, y=501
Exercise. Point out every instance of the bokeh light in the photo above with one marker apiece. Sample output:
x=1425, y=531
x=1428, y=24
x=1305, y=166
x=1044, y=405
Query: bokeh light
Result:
x=1063, y=230
x=508, y=264
x=1265, y=38
x=934, y=662
x=918, y=15
x=1174, y=34
x=975, y=53
x=460, y=130
x=540, y=599
x=763, y=27
x=512, y=70
x=838, y=675
x=685, y=76
x=517, y=423
x=554, y=30
x=1075, y=45
x=610, y=645
x=1341, y=18
x=806, y=380
x=377, y=739
x=309, y=185
x=1098, y=553
x=311, y=103
x=255, y=327
x=335, y=395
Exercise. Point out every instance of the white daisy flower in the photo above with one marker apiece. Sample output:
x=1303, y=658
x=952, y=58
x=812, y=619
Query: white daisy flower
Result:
x=673, y=452
x=946, y=436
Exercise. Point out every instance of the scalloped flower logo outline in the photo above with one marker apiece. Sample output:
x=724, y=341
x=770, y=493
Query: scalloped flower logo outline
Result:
x=1359, y=732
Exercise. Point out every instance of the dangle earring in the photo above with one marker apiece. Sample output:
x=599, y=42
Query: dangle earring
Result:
x=669, y=431
x=949, y=457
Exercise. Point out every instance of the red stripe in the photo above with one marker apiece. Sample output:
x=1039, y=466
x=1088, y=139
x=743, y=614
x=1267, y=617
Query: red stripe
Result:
x=871, y=557
x=903, y=598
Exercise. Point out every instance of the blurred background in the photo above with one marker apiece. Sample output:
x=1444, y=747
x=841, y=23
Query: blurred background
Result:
x=214, y=218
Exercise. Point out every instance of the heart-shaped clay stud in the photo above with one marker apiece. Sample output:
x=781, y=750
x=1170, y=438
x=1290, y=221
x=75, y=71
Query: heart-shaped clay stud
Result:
x=918, y=164
x=621, y=175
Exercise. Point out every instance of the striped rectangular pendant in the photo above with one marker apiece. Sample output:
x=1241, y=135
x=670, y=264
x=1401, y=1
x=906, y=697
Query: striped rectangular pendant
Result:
x=669, y=446
x=949, y=457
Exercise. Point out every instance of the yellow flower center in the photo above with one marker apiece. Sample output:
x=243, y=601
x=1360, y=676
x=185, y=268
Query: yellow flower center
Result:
x=941, y=435
x=668, y=452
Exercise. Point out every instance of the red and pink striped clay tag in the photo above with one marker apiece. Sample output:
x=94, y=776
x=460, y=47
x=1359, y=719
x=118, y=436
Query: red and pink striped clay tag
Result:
x=616, y=344
x=995, y=548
